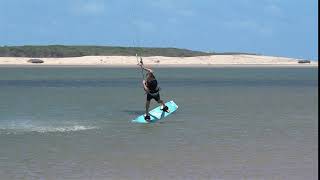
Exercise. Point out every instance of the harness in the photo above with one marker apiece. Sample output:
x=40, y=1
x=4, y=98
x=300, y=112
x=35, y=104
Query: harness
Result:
x=154, y=93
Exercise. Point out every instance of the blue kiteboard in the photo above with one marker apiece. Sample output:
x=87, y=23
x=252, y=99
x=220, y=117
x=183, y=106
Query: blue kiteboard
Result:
x=157, y=114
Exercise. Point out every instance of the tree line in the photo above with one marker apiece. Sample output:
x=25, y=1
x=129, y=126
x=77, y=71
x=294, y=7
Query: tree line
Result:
x=78, y=51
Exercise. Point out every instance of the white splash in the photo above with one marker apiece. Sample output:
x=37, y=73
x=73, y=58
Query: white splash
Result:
x=62, y=129
x=43, y=129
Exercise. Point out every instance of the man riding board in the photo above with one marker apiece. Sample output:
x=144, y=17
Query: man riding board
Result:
x=150, y=85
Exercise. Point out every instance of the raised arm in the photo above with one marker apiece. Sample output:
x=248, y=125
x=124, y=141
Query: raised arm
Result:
x=146, y=69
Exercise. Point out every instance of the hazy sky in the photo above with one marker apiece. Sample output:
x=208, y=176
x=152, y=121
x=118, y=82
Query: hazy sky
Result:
x=271, y=27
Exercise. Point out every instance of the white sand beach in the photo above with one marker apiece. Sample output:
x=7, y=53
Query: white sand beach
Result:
x=159, y=61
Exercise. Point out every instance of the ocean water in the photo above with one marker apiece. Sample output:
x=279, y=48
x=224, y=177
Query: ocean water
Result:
x=232, y=123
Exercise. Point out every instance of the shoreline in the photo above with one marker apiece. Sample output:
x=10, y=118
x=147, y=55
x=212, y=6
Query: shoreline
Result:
x=213, y=61
x=163, y=66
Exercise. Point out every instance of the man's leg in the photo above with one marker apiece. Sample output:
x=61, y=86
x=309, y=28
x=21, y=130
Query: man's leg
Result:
x=147, y=117
x=161, y=102
x=147, y=107
x=165, y=108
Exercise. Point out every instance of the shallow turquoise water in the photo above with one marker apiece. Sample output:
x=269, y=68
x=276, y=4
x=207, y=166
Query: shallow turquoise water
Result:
x=232, y=123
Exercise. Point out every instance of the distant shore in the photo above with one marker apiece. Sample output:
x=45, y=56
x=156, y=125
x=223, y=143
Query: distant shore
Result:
x=160, y=61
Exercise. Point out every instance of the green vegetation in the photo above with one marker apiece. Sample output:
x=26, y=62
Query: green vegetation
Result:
x=77, y=51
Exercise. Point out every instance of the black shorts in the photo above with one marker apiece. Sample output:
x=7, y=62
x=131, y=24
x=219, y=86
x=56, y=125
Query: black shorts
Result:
x=155, y=97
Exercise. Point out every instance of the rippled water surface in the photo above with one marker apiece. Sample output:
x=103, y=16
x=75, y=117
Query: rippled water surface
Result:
x=232, y=123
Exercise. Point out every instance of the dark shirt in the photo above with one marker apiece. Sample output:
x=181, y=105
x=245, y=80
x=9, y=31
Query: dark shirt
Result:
x=153, y=86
